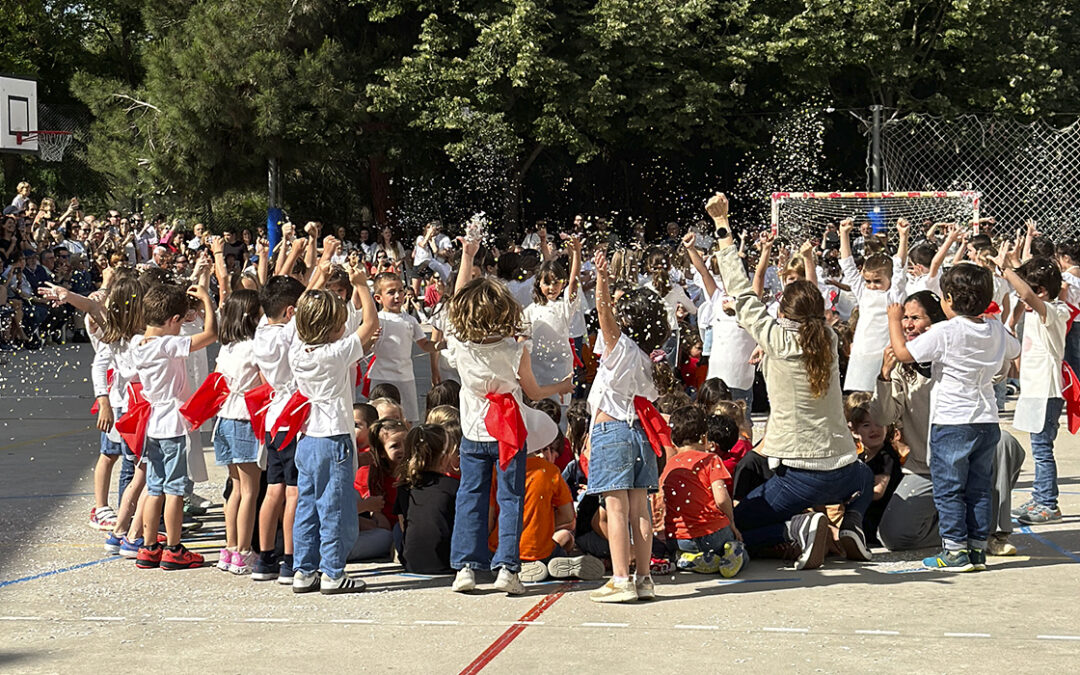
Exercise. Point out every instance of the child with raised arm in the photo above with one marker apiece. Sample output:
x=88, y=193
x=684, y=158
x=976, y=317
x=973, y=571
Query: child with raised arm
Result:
x=965, y=353
x=1038, y=285
x=555, y=300
x=622, y=463
x=393, y=348
x=879, y=274
x=273, y=339
x=326, y=522
x=159, y=357
x=495, y=373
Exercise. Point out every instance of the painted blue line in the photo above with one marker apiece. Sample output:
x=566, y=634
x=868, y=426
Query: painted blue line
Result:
x=913, y=570
x=59, y=571
x=1024, y=529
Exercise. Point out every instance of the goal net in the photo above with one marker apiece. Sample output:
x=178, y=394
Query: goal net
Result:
x=798, y=216
x=1021, y=170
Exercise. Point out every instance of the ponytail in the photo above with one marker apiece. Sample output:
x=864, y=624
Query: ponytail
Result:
x=803, y=304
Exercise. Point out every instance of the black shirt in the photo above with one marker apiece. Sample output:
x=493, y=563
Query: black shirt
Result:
x=428, y=509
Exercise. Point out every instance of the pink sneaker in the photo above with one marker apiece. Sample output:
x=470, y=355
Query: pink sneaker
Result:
x=225, y=560
x=241, y=563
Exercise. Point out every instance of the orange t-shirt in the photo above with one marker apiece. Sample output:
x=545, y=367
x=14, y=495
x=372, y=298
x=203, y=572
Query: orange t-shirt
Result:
x=545, y=491
x=691, y=510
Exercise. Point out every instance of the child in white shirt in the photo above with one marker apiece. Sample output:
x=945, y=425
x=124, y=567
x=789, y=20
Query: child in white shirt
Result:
x=326, y=524
x=1038, y=284
x=159, y=357
x=393, y=348
x=871, y=286
x=1068, y=257
x=495, y=373
x=555, y=301
x=965, y=353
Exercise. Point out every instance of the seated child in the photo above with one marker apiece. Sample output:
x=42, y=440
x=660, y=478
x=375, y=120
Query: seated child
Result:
x=387, y=391
x=388, y=409
x=724, y=442
x=375, y=480
x=879, y=455
x=699, y=515
x=548, y=523
x=426, y=499
x=447, y=392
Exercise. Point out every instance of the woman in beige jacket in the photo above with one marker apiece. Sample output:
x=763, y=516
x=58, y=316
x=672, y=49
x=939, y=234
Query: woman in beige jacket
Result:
x=808, y=442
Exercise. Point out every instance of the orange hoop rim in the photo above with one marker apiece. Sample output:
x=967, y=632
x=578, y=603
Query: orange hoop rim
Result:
x=21, y=136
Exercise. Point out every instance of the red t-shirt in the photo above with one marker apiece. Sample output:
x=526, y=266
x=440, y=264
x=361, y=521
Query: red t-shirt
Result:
x=566, y=455
x=691, y=510
x=387, y=489
x=731, y=459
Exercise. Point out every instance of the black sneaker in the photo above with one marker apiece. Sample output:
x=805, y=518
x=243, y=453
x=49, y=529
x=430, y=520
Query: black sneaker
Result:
x=853, y=541
x=266, y=568
x=810, y=531
x=285, y=571
x=977, y=557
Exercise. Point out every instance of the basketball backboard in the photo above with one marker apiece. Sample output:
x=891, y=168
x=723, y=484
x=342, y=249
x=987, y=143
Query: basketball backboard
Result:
x=18, y=113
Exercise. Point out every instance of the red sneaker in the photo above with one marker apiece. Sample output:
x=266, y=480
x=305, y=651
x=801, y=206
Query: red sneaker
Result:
x=149, y=557
x=180, y=559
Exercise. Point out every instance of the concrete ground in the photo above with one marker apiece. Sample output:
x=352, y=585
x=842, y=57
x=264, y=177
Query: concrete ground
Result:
x=66, y=606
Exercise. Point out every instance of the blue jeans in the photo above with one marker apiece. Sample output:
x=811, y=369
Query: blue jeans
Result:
x=127, y=472
x=761, y=517
x=326, y=522
x=962, y=470
x=1045, y=490
x=469, y=545
x=166, y=465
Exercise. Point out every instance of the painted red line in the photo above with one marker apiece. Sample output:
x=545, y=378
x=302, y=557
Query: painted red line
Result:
x=504, y=640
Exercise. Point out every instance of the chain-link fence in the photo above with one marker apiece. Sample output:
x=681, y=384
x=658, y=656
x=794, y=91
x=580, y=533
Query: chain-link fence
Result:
x=1022, y=170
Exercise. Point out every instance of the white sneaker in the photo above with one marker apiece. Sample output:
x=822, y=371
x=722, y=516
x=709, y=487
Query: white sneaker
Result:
x=508, y=582
x=343, y=584
x=465, y=581
x=305, y=583
x=533, y=571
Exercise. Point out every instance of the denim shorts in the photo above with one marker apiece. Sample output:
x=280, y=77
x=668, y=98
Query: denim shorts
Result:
x=234, y=443
x=166, y=465
x=111, y=448
x=621, y=459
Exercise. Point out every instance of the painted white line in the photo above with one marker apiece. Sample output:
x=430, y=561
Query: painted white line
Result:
x=436, y=623
x=103, y=618
x=597, y=624
x=352, y=621
x=526, y=623
x=1058, y=637
x=877, y=632
x=20, y=618
x=262, y=620
x=769, y=629
x=185, y=618
x=967, y=635
x=686, y=626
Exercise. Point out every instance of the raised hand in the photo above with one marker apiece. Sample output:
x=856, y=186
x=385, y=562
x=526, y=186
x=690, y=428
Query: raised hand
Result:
x=601, y=264
x=846, y=226
x=717, y=206
x=903, y=227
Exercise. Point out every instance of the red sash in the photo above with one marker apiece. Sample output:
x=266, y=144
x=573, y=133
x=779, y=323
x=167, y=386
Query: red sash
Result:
x=292, y=418
x=109, y=379
x=366, y=379
x=258, y=401
x=578, y=363
x=1070, y=391
x=505, y=424
x=1073, y=313
x=994, y=308
x=656, y=429
x=132, y=425
x=206, y=401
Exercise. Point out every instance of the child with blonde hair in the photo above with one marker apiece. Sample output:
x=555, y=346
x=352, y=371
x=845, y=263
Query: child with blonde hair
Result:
x=495, y=373
x=326, y=516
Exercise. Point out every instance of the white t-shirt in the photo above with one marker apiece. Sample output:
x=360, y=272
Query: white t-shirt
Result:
x=1072, y=288
x=1043, y=351
x=440, y=323
x=393, y=349
x=730, y=361
x=965, y=357
x=493, y=369
x=675, y=297
x=522, y=290
x=160, y=364
x=236, y=362
x=323, y=375
x=622, y=374
x=550, y=354
x=271, y=352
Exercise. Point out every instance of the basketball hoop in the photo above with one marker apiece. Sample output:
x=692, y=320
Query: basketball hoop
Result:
x=51, y=144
